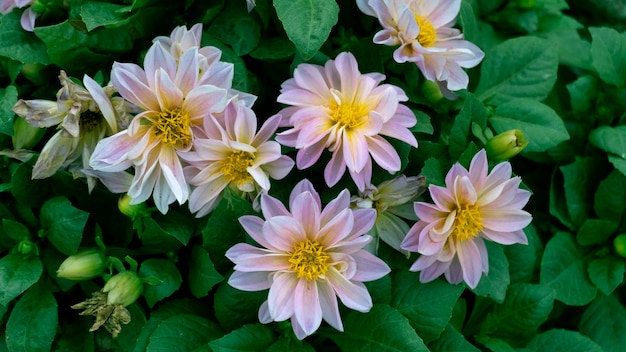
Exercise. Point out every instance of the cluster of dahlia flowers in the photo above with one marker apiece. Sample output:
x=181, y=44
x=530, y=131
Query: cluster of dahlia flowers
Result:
x=175, y=130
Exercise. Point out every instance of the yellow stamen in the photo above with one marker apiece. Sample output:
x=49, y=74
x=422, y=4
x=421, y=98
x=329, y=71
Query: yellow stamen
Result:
x=468, y=223
x=174, y=127
x=235, y=167
x=428, y=34
x=309, y=260
x=348, y=115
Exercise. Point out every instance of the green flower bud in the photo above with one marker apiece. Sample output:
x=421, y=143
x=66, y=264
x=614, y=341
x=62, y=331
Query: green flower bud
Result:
x=130, y=210
x=506, y=145
x=26, y=246
x=620, y=245
x=123, y=288
x=83, y=265
x=26, y=136
x=431, y=91
x=526, y=4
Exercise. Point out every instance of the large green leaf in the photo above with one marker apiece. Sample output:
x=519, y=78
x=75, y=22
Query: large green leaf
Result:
x=234, y=308
x=610, y=139
x=604, y=321
x=182, y=333
x=542, y=127
x=580, y=179
x=452, y=340
x=427, y=306
x=495, y=282
x=202, y=273
x=16, y=275
x=609, y=198
x=595, y=231
x=248, y=338
x=18, y=44
x=522, y=258
x=525, y=308
x=382, y=329
x=7, y=101
x=238, y=29
x=96, y=14
x=563, y=269
x=63, y=224
x=307, y=22
x=608, y=54
x=163, y=270
x=473, y=111
x=33, y=321
x=606, y=273
x=523, y=67
x=563, y=340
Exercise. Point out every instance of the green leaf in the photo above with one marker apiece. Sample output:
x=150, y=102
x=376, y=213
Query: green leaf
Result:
x=451, y=340
x=14, y=230
x=522, y=67
x=31, y=193
x=18, y=44
x=167, y=310
x=563, y=270
x=64, y=224
x=176, y=225
x=604, y=321
x=558, y=206
x=572, y=49
x=610, y=139
x=433, y=172
x=495, y=283
x=423, y=124
x=563, y=340
x=473, y=111
x=165, y=271
x=525, y=308
x=608, y=54
x=224, y=219
x=183, y=332
x=234, y=308
x=427, y=306
x=127, y=339
x=382, y=329
x=541, y=125
x=286, y=344
x=618, y=162
x=96, y=14
x=248, y=338
x=607, y=273
x=8, y=100
x=609, y=198
x=468, y=21
x=595, y=231
x=307, y=22
x=580, y=178
x=495, y=344
x=156, y=238
x=33, y=321
x=238, y=29
x=202, y=273
x=523, y=257
x=17, y=274
x=582, y=93
x=273, y=49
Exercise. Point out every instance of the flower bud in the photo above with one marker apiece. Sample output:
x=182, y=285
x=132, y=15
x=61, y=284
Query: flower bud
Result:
x=130, y=210
x=431, y=91
x=619, y=243
x=26, y=246
x=506, y=145
x=83, y=265
x=26, y=136
x=123, y=288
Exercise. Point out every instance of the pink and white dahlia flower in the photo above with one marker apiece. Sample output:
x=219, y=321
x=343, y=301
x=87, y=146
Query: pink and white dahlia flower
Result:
x=336, y=107
x=474, y=206
x=423, y=30
x=309, y=255
x=173, y=104
x=235, y=156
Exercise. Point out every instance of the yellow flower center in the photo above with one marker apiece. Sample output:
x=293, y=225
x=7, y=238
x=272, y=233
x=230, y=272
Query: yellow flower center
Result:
x=427, y=34
x=309, y=260
x=90, y=120
x=467, y=223
x=235, y=167
x=174, y=127
x=348, y=115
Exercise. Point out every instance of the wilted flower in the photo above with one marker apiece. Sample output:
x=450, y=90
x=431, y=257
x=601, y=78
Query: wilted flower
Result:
x=309, y=256
x=108, y=305
x=475, y=205
x=506, y=145
x=423, y=30
x=392, y=200
x=233, y=155
x=84, y=116
x=173, y=105
x=28, y=17
x=84, y=265
x=337, y=107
